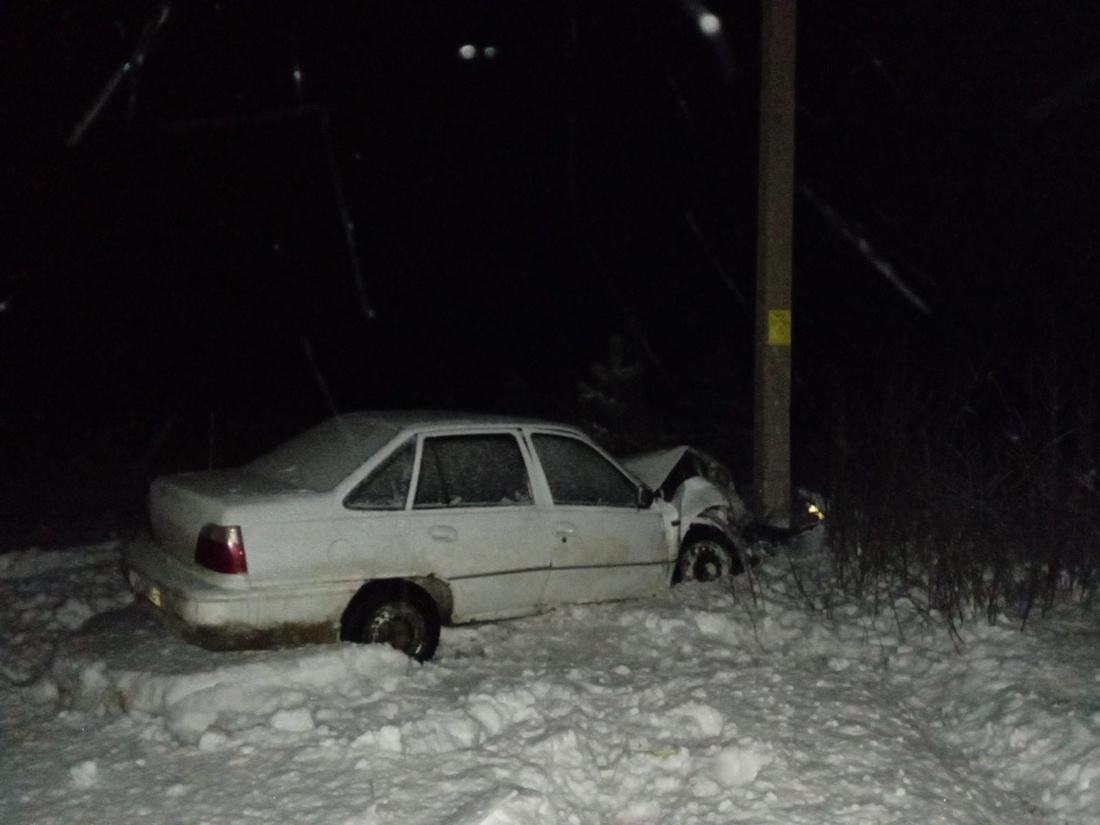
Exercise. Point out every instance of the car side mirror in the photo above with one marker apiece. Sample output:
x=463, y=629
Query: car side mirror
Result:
x=645, y=498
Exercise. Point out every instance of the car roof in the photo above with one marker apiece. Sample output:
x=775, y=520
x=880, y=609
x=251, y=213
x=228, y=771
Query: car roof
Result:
x=420, y=419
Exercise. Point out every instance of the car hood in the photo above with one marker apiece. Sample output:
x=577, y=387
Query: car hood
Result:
x=653, y=469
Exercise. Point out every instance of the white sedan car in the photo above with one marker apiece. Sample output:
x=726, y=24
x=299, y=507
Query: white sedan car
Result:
x=381, y=527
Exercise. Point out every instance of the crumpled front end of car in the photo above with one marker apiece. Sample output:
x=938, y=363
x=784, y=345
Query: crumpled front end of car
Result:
x=697, y=486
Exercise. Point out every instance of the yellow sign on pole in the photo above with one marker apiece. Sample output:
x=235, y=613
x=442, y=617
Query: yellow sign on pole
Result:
x=779, y=327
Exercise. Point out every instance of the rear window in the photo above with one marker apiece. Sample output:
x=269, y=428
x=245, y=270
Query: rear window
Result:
x=322, y=457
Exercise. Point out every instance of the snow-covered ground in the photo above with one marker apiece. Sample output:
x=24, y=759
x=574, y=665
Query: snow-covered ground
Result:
x=704, y=705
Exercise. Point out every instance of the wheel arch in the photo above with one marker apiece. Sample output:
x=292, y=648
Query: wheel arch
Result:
x=437, y=591
x=710, y=529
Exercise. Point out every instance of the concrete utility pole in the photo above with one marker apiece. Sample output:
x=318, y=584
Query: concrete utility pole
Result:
x=772, y=413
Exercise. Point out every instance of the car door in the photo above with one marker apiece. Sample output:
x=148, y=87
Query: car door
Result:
x=604, y=545
x=474, y=524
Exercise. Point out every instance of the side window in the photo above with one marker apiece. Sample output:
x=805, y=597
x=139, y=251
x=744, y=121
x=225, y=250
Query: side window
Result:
x=472, y=471
x=578, y=474
x=387, y=487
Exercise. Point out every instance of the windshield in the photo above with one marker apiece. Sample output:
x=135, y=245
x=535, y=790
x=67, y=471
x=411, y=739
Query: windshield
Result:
x=322, y=457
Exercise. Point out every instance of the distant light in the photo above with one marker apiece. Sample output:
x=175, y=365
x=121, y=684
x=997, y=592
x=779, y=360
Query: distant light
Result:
x=709, y=23
x=467, y=52
x=490, y=52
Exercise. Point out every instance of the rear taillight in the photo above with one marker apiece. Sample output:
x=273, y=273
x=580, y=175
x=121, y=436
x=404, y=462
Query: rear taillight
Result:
x=221, y=549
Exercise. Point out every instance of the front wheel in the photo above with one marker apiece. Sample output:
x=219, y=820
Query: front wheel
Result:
x=706, y=557
x=403, y=617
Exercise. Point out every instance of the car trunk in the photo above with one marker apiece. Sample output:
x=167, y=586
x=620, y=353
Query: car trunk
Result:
x=181, y=505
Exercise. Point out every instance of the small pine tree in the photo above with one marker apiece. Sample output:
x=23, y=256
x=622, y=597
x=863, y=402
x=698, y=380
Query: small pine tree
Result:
x=612, y=400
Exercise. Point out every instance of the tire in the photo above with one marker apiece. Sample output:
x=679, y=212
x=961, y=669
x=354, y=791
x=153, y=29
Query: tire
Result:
x=402, y=616
x=706, y=556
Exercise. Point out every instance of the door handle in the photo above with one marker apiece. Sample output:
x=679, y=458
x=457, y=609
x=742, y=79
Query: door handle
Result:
x=441, y=532
x=565, y=528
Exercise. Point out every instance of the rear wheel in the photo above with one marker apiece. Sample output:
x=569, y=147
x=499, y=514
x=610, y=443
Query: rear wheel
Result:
x=706, y=557
x=402, y=616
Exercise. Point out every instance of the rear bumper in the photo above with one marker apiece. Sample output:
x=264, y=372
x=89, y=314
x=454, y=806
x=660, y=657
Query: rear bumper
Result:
x=185, y=594
x=231, y=605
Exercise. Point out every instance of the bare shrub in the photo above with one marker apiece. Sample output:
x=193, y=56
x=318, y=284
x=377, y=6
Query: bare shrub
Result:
x=964, y=502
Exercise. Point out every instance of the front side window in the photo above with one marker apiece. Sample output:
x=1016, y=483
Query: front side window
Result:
x=387, y=487
x=579, y=474
x=472, y=471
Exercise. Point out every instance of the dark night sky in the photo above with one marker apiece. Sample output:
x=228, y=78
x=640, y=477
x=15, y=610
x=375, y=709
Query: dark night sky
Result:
x=183, y=268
